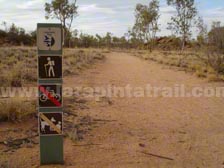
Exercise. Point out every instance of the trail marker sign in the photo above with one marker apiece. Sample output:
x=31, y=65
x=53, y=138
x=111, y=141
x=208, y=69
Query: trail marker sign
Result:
x=50, y=67
x=49, y=38
x=50, y=120
x=50, y=95
x=50, y=123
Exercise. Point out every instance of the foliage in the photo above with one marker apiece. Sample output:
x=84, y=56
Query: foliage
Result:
x=18, y=65
x=146, y=22
x=216, y=36
x=63, y=11
x=182, y=22
x=201, y=63
x=14, y=35
x=202, y=37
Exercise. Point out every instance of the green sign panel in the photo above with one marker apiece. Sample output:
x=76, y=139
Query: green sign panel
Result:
x=50, y=121
x=51, y=149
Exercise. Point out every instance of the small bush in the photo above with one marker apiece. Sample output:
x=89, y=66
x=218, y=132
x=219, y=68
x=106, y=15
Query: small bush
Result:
x=14, y=109
x=201, y=74
x=18, y=65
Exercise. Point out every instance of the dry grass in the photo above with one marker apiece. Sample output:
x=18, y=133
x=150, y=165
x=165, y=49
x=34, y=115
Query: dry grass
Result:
x=16, y=109
x=18, y=67
x=189, y=61
x=76, y=60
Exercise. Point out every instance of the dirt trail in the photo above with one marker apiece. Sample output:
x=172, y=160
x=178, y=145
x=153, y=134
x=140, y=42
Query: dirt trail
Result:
x=189, y=131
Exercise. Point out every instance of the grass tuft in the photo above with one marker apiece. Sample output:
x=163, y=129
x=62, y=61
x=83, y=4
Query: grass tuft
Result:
x=16, y=109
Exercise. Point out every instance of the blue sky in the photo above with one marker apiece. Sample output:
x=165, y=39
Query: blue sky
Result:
x=101, y=16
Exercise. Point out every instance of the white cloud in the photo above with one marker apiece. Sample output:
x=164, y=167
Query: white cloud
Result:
x=96, y=16
x=30, y=4
x=93, y=8
x=166, y=12
x=215, y=14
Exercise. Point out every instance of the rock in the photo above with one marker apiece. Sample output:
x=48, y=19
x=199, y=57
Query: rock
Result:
x=110, y=102
x=141, y=145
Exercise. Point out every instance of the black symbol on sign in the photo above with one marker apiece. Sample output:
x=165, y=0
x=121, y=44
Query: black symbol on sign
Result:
x=51, y=93
x=45, y=124
x=49, y=40
x=50, y=123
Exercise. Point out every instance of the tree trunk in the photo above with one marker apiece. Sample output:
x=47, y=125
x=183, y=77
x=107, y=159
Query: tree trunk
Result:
x=150, y=47
x=183, y=43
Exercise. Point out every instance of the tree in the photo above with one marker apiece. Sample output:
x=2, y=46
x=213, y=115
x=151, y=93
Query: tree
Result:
x=13, y=29
x=216, y=36
x=203, y=32
x=64, y=11
x=33, y=36
x=99, y=40
x=182, y=21
x=216, y=24
x=108, y=39
x=4, y=24
x=128, y=36
x=146, y=22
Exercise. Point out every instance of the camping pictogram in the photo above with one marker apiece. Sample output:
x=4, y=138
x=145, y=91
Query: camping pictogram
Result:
x=50, y=95
x=50, y=67
x=50, y=123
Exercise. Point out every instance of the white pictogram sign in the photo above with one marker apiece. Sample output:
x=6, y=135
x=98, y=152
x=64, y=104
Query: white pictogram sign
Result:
x=50, y=123
x=49, y=38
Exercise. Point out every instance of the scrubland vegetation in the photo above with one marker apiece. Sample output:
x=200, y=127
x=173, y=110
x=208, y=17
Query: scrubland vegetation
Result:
x=109, y=121
x=18, y=68
x=198, y=63
x=19, y=64
x=203, y=55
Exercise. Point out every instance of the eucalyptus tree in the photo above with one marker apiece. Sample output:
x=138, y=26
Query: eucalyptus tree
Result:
x=146, y=22
x=64, y=11
x=181, y=23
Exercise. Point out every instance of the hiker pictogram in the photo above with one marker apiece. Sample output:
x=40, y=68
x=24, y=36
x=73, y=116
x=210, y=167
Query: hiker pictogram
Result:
x=50, y=67
x=50, y=123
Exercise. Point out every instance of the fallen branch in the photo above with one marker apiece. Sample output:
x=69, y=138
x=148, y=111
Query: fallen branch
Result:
x=158, y=156
x=18, y=142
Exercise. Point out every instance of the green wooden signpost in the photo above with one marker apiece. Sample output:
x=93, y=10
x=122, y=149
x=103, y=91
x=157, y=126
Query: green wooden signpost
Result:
x=50, y=100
